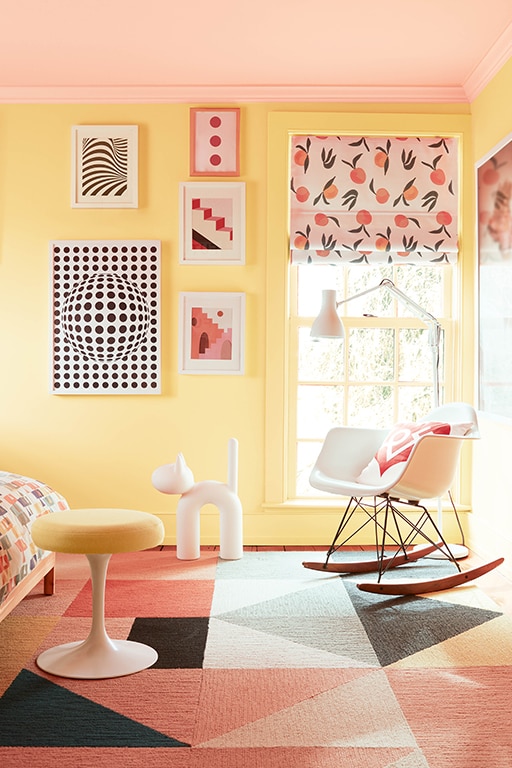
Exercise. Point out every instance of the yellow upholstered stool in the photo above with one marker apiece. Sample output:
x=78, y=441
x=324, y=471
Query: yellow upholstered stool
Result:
x=97, y=533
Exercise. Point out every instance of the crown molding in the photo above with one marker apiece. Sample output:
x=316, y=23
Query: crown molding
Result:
x=489, y=66
x=180, y=94
x=486, y=69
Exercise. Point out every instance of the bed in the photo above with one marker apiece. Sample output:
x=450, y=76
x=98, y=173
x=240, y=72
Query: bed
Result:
x=22, y=564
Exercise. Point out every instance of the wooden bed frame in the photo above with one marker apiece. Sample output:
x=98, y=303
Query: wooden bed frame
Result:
x=45, y=570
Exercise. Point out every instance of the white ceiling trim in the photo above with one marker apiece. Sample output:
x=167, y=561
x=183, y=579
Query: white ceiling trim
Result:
x=148, y=94
x=490, y=65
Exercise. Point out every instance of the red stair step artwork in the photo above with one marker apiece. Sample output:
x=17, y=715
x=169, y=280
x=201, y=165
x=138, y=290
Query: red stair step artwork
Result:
x=210, y=224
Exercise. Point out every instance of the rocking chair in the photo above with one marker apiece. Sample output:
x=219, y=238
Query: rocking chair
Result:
x=382, y=472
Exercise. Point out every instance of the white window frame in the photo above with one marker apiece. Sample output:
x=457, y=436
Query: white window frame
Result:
x=282, y=125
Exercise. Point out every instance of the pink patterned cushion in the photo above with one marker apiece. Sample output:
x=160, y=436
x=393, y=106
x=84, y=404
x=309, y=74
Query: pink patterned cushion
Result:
x=389, y=461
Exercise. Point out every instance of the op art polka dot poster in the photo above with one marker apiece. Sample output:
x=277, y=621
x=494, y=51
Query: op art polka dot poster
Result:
x=105, y=304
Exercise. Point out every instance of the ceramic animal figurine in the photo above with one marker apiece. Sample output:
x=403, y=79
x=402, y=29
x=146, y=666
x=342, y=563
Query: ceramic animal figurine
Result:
x=178, y=478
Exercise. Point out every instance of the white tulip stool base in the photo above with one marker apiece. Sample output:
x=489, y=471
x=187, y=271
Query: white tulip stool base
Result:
x=93, y=659
x=98, y=656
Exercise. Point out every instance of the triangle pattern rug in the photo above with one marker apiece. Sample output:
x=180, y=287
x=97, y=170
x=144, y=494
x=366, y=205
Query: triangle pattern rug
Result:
x=260, y=663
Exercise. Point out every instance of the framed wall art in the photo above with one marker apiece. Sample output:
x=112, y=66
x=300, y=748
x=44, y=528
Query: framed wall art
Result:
x=211, y=333
x=215, y=142
x=494, y=280
x=212, y=222
x=105, y=317
x=104, y=170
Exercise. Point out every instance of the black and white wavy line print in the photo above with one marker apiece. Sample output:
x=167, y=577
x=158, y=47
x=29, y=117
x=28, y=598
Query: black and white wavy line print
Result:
x=104, y=167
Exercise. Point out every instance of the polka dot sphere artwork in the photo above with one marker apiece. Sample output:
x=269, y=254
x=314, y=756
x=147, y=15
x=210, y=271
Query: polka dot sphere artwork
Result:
x=106, y=317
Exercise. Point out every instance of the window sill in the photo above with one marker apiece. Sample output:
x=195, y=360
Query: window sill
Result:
x=294, y=506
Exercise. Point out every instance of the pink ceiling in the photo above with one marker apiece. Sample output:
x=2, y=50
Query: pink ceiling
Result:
x=236, y=50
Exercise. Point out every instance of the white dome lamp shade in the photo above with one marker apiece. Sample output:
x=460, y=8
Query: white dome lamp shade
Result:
x=328, y=325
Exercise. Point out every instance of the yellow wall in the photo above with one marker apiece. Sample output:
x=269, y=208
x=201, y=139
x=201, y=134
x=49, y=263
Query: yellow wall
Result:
x=101, y=450
x=491, y=521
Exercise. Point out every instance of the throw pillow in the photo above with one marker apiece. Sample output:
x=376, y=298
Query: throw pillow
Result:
x=389, y=461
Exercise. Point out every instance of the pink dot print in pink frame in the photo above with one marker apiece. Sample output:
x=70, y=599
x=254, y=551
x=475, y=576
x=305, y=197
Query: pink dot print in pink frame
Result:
x=215, y=142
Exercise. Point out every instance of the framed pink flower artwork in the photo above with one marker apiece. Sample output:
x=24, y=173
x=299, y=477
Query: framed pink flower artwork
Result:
x=494, y=279
x=215, y=142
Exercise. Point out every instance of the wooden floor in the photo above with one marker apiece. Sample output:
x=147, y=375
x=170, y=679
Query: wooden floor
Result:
x=495, y=584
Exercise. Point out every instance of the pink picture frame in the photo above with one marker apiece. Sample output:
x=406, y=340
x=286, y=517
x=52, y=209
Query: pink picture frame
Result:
x=215, y=141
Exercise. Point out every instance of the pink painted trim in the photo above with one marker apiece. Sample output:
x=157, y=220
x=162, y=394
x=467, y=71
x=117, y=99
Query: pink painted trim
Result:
x=490, y=65
x=183, y=94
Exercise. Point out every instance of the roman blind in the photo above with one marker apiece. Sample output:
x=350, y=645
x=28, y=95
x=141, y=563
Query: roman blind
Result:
x=373, y=199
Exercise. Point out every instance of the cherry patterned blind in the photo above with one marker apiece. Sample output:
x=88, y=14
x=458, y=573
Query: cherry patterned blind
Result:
x=373, y=199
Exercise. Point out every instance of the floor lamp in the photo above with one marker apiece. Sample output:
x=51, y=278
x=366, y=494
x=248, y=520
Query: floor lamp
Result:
x=328, y=325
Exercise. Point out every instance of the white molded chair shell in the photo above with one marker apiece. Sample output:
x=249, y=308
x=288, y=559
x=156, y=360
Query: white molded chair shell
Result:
x=456, y=413
x=434, y=459
x=428, y=472
x=430, y=469
x=344, y=454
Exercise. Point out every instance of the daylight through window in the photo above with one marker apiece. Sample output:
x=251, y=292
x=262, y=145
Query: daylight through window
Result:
x=381, y=374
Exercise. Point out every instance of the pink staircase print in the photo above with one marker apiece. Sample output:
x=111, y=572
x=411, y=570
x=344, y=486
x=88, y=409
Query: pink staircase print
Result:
x=212, y=224
x=212, y=334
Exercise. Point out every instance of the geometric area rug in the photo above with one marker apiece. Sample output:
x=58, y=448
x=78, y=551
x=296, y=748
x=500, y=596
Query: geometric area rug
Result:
x=261, y=664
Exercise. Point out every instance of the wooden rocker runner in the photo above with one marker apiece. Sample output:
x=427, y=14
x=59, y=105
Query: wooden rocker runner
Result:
x=414, y=463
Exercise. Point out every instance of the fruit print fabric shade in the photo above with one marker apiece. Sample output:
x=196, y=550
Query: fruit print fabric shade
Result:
x=371, y=200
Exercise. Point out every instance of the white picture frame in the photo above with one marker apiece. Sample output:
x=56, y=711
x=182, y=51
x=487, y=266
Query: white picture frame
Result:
x=211, y=333
x=104, y=166
x=105, y=308
x=212, y=222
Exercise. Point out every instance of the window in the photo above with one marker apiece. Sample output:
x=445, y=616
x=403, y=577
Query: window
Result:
x=381, y=375
x=456, y=300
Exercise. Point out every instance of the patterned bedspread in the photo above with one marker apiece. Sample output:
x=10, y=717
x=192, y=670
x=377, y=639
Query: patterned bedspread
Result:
x=22, y=499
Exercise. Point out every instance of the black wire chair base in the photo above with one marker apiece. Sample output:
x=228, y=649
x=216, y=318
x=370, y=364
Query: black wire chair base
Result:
x=385, y=515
